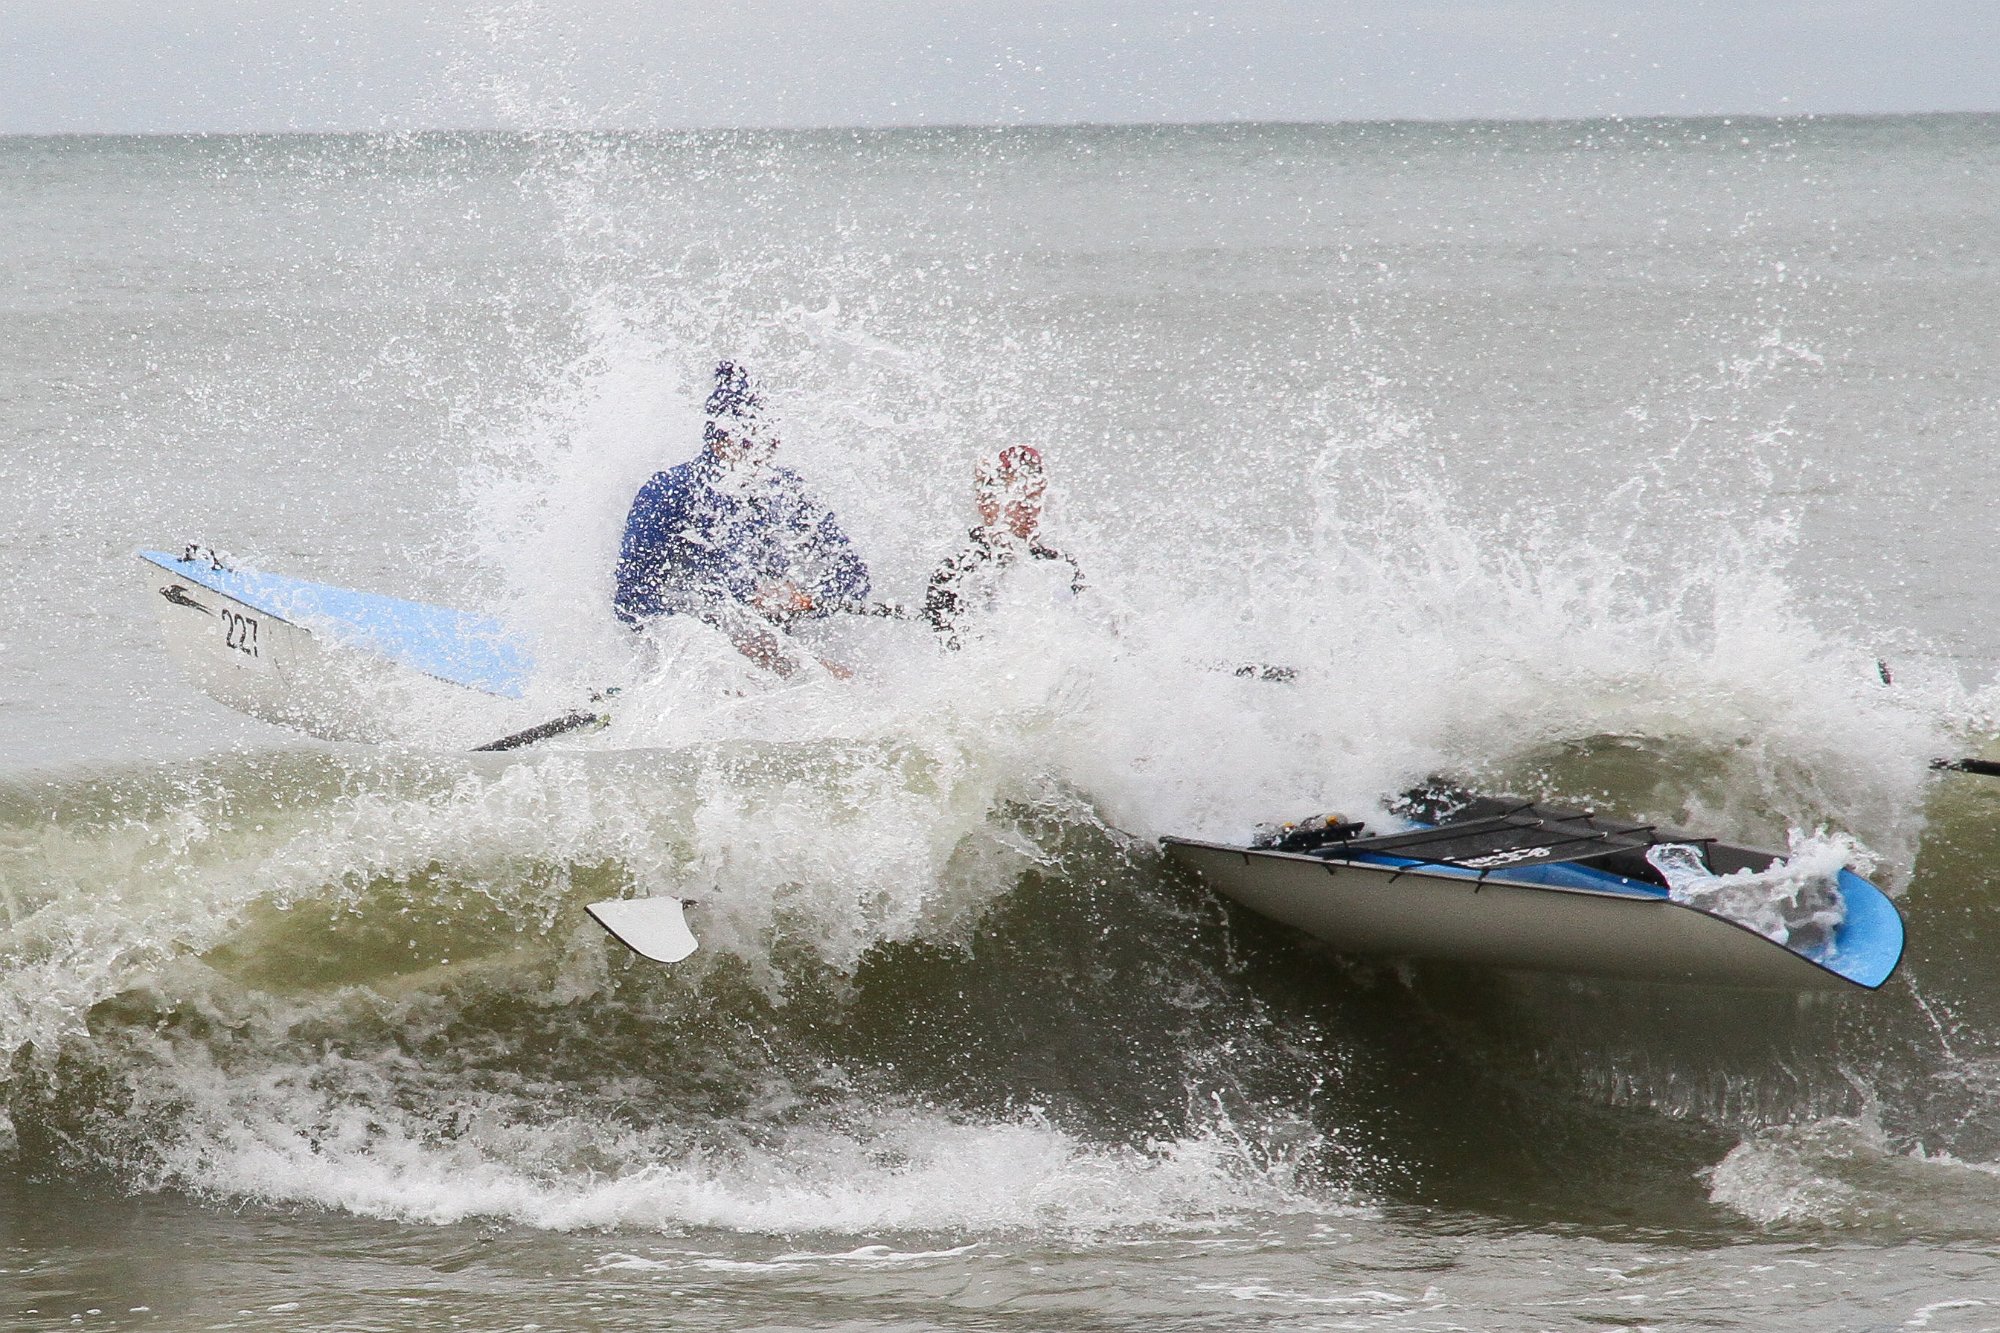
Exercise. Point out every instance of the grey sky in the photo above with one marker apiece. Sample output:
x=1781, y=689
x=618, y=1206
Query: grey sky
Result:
x=189, y=65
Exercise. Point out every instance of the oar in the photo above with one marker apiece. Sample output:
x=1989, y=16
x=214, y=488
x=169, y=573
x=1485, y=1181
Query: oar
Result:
x=578, y=719
x=575, y=720
x=1983, y=767
x=1986, y=768
x=1278, y=675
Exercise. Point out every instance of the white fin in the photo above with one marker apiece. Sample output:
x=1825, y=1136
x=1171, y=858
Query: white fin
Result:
x=650, y=927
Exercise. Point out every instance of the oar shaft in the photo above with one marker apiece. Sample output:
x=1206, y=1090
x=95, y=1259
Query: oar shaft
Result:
x=1984, y=767
x=568, y=722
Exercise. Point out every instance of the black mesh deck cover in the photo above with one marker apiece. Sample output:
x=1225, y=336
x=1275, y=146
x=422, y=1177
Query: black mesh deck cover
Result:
x=1523, y=836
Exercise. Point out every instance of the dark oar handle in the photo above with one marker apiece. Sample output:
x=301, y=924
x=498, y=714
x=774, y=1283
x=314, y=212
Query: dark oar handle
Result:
x=568, y=722
x=1984, y=767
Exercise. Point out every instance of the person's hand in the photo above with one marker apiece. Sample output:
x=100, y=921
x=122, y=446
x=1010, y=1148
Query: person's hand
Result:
x=782, y=600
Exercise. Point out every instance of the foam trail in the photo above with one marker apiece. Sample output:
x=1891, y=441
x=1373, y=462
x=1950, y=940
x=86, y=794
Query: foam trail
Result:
x=889, y=1171
x=1847, y=1173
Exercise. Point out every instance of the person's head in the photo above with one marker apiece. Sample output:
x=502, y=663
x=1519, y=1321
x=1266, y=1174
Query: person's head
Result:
x=1008, y=490
x=736, y=431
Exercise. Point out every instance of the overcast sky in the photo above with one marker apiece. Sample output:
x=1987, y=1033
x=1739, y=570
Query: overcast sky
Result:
x=192, y=65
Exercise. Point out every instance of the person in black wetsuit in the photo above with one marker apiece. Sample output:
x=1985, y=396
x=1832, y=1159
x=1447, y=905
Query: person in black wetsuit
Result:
x=1009, y=492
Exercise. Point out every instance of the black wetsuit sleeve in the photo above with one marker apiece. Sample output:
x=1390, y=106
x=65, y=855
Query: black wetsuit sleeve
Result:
x=942, y=603
x=1077, y=583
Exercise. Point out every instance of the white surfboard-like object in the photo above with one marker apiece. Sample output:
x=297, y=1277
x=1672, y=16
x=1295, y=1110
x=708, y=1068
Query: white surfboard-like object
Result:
x=654, y=928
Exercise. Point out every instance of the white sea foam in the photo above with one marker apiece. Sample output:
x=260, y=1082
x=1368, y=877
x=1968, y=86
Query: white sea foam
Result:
x=1773, y=1181
x=1797, y=901
x=1847, y=1172
x=283, y=1135
x=868, y=1256
x=1423, y=638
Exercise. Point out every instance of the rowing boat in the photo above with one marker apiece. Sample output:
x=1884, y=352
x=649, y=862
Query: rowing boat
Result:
x=336, y=662
x=1521, y=885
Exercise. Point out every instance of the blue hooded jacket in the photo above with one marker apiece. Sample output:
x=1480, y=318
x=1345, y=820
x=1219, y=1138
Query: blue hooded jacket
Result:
x=703, y=536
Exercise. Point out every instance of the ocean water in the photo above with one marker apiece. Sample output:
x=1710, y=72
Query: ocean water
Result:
x=1604, y=461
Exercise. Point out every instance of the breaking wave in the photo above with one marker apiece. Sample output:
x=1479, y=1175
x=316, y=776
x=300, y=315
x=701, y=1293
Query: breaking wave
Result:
x=945, y=982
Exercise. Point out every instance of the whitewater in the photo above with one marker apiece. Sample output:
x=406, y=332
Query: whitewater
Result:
x=1607, y=462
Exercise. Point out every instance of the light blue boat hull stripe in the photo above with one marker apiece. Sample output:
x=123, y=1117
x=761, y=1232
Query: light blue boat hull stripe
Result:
x=1865, y=950
x=475, y=651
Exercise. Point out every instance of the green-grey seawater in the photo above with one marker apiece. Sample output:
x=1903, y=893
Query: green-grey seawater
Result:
x=1601, y=461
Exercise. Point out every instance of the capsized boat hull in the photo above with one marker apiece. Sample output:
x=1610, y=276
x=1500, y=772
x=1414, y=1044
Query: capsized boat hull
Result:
x=1586, y=922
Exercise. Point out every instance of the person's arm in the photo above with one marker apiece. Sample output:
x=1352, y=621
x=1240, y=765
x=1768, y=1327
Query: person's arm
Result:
x=842, y=575
x=1043, y=551
x=941, y=600
x=759, y=636
x=642, y=554
x=825, y=566
x=756, y=639
x=659, y=569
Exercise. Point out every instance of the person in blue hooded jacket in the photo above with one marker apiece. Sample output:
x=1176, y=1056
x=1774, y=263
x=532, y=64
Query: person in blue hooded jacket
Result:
x=735, y=540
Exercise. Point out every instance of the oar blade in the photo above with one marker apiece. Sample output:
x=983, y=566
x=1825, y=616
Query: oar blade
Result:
x=653, y=928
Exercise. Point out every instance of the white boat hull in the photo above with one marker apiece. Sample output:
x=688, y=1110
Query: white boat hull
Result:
x=1413, y=912
x=253, y=656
